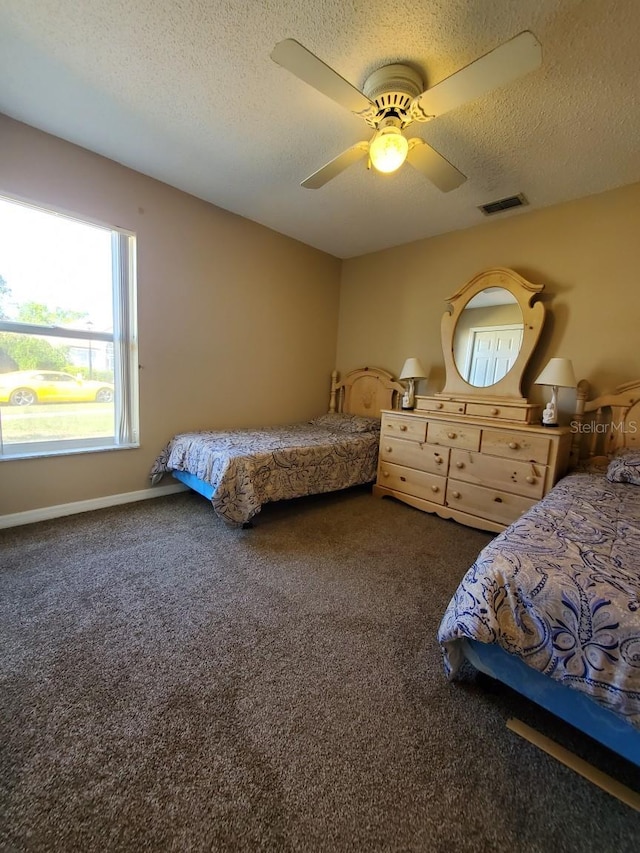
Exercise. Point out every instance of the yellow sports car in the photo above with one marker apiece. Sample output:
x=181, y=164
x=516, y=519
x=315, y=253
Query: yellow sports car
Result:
x=26, y=387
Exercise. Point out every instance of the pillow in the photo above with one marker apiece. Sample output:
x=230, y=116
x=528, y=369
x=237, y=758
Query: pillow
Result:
x=625, y=468
x=342, y=422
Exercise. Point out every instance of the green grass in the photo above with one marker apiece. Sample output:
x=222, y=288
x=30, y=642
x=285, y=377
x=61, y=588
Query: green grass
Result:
x=56, y=421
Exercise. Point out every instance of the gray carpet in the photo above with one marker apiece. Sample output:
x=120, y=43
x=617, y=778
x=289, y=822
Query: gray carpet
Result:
x=169, y=684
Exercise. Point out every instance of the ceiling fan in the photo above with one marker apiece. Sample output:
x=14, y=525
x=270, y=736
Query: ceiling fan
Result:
x=393, y=98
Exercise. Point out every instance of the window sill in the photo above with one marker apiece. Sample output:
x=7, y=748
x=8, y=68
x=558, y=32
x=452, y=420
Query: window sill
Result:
x=34, y=453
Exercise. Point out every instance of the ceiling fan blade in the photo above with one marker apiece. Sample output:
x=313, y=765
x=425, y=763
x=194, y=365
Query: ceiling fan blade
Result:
x=434, y=166
x=506, y=63
x=337, y=165
x=291, y=55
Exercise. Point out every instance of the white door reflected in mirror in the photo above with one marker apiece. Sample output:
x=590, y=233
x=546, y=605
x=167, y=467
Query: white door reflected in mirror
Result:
x=491, y=353
x=488, y=337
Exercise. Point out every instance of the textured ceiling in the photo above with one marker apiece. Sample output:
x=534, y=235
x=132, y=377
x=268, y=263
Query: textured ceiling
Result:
x=185, y=91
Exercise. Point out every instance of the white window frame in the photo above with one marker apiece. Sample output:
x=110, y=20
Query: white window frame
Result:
x=124, y=339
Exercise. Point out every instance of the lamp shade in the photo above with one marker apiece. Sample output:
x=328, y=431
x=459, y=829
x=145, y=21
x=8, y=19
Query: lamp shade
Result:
x=558, y=372
x=412, y=369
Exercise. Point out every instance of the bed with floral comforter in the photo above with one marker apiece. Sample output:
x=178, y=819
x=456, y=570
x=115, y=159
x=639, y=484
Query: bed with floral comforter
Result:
x=560, y=589
x=246, y=468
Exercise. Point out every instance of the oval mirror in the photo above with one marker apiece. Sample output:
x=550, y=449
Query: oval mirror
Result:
x=510, y=301
x=488, y=337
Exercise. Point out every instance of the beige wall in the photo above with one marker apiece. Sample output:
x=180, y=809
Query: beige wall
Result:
x=240, y=326
x=586, y=253
x=237, y=324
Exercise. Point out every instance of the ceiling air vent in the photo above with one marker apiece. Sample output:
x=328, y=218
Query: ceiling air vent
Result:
x=503, y=204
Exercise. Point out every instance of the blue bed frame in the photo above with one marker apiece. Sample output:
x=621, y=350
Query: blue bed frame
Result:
x=573, y=707
x=193, y=482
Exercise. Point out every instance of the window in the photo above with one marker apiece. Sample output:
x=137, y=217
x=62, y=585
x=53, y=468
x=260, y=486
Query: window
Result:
x=68, y=343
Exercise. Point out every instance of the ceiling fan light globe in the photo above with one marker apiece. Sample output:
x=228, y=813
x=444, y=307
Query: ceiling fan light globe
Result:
x=388, y=150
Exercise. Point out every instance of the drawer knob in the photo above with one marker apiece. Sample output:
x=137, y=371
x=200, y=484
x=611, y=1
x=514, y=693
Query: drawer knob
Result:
x=403, y=427
x=514, y=445
x=439, y=460
x=498, y=499
x=438, y=405
x=455, y=494
x=459, y=464
x=435, y=488
x=461, y=409
x=385, y=473
x=531, y=479
x=495, y=411
x=389, y=449
x=451, y=435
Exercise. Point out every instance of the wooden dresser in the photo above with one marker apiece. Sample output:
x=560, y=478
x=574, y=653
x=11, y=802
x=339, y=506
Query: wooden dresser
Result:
x=479, y=471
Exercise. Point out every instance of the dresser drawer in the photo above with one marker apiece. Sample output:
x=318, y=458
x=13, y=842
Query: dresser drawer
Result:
x=510, y=475
x=493, y=504
x=404, y=427
x=454, y=435
x=516, y=445
x=420, y=484
x=426, y=457
x=432, y=404
x=488, y=410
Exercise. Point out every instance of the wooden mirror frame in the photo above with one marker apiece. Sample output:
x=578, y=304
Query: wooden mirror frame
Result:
x=524, y=293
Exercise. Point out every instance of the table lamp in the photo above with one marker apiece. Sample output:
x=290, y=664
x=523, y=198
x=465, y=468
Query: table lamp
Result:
x=411, y=371
x=558, y=374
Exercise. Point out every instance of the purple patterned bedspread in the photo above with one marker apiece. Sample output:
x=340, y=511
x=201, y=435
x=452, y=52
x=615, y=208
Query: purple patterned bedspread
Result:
x=560, y=588
x=250, y=467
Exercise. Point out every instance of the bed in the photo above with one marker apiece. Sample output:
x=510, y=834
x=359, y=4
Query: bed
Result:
x=551, y=606
x=240, y=470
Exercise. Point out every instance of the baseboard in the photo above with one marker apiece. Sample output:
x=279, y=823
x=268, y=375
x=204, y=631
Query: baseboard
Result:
x=47, y=512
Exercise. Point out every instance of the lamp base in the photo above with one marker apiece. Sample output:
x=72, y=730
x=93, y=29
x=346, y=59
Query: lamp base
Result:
x=550, y=413
x=409, y=397
x=551, y=426
x=407, y=405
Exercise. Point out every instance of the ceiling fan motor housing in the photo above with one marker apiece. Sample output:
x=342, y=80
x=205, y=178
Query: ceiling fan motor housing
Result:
x=392, y=89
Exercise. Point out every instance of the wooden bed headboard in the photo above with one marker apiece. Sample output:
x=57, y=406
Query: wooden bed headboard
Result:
x=365, y=391
x=608, y=423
